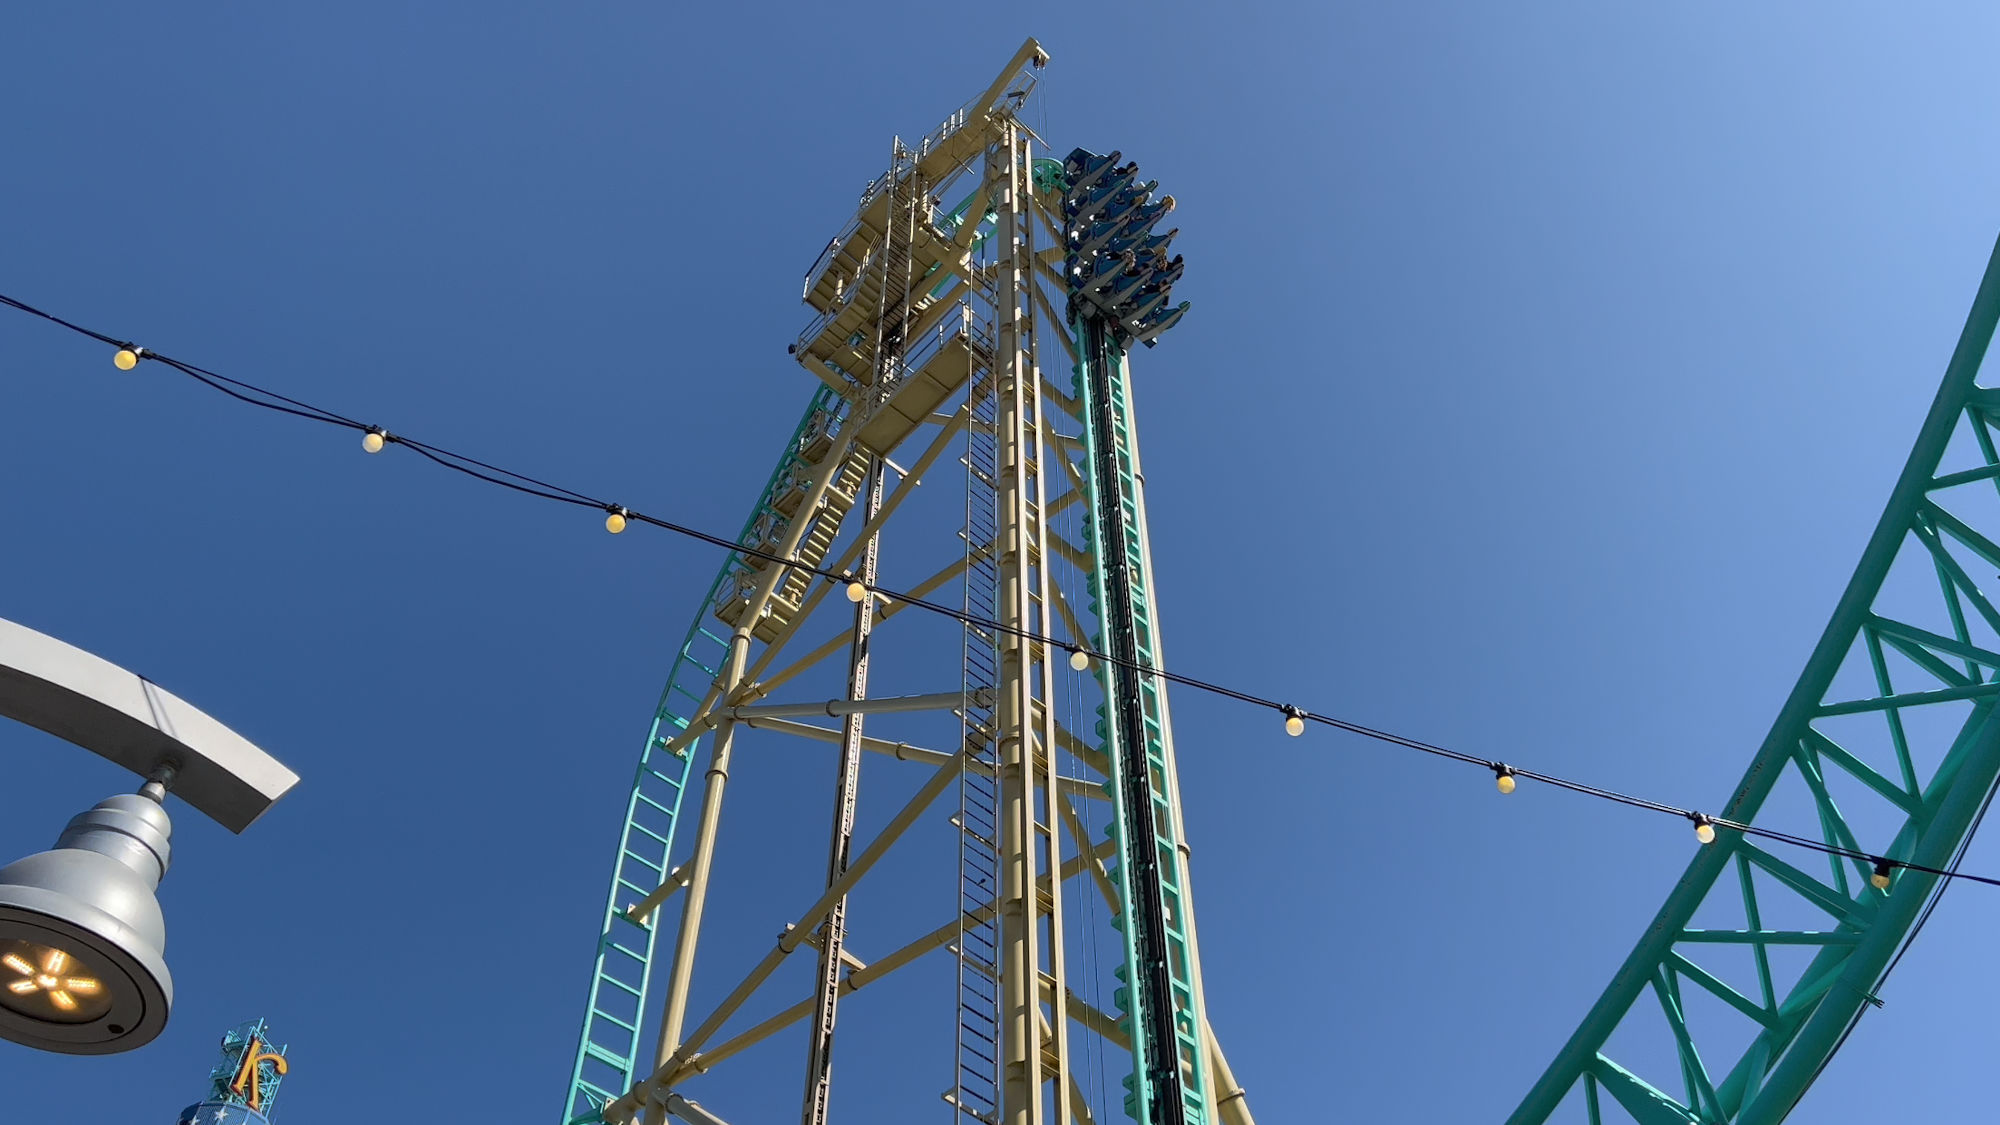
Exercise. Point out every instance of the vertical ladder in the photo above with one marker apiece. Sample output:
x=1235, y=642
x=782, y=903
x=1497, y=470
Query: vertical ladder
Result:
x=891, y=328
x=609, y=1044
x=898, y=231
x=1166, y=1030
x=833, y=932
x=976, y=1092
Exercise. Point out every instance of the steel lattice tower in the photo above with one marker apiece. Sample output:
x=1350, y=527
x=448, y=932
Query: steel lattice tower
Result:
x=981, y=301
x=942, y=328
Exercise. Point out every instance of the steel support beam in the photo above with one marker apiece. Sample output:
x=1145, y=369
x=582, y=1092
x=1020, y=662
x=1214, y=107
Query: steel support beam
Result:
x=643, y=909
x=795, y=935
x=949, y=427
x=833, y=933
x=902, y=751
x=716, y=778
x=1230, y=1101
x=861, y=976
x=690, y=1112
x=764, y=685
x=1030, y=930
x=836, y=708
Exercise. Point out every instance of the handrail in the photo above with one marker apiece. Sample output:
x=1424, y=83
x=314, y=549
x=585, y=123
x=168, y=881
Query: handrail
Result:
x=953, y=122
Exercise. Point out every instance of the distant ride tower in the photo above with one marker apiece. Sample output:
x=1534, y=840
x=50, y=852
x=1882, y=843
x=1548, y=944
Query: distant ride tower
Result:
x=1027, y=864
x=243, y=1085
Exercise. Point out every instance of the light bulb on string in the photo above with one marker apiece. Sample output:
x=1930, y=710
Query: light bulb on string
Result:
x=127, y=357
x=856, y=592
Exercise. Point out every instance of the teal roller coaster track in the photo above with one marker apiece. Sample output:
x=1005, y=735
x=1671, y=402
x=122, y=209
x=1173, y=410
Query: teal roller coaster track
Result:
x=1891, y=739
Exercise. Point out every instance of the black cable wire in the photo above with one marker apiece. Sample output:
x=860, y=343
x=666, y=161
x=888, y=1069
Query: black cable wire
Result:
x=1909, y=939
x=77, y=328
x=425, y=452
x=304, y=410
x=192, y=373
x=427, y=448
x=257, y=396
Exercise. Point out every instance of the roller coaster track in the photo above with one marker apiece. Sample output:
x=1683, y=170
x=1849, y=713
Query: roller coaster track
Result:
x=1754, y=971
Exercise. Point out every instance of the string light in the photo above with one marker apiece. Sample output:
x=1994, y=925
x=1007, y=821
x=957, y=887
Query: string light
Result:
x=1295, y=721
x=616, y=519
x=856, y=592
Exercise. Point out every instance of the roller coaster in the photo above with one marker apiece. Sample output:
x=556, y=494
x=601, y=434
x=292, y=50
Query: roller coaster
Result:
x=979, y=312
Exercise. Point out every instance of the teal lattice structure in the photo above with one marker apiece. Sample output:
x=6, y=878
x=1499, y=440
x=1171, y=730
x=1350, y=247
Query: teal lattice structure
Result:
x=609, y=1045
x=1891, y=740
x=1137, y=1005
x=244, y=1039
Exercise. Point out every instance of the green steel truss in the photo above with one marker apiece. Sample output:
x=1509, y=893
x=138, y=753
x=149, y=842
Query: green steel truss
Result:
x=609, y=1046
x=1890, y=742
x=1134, y=1002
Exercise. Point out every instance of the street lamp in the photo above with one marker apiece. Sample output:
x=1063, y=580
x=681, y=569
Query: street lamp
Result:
x=82, y=939
x=83, y=966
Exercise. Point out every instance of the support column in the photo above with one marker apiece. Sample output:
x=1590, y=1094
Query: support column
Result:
x=673, y=1015
x=1027, y=838
x=692, y=905
x=819, y=1046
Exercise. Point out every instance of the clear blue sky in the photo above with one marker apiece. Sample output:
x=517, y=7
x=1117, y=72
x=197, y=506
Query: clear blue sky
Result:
x=1547, y=372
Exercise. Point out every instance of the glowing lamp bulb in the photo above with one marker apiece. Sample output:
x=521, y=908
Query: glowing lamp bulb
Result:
x=1294, y=725
x=856, y=592
x=615, y=522
x=372, y=441
x=1882, y=877
x=1079, y=660
x=49, y=983
x=1704, y=830
x=126, y=359
x=1505, y=781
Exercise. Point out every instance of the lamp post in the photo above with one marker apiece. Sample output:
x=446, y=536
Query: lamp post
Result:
x=82, y=938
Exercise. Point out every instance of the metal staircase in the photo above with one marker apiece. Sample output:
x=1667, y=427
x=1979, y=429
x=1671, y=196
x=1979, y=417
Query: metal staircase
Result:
x=781, y=504
x=609, y=1045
